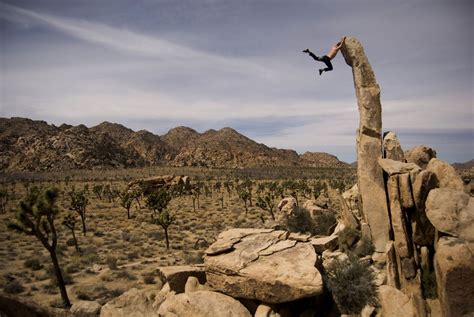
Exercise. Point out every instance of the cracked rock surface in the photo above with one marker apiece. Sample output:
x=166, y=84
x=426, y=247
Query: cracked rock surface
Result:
x=263, y=264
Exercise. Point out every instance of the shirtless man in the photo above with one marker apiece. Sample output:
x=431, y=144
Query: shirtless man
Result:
x=326, y=59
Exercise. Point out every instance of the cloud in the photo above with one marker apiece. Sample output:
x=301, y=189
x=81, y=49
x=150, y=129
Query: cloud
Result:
x=126, y=41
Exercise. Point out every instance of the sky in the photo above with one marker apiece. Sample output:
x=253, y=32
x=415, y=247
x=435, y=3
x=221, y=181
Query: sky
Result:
x=209, y=64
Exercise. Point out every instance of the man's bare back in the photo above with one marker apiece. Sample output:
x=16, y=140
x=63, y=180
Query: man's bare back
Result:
x=326, y=59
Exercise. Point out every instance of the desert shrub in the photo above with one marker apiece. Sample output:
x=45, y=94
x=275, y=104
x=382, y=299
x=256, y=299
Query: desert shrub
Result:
x=301, y=221
x=364, y=247
x=70, y=242
x=125, y=275
x=347, y=238
x=194, y=258
x=149, y=279
x=324, y=222
x=351, y=284
x=13, y=287
x=132, y=255
x=111, y=262
x=428, y=284
x=33, y=264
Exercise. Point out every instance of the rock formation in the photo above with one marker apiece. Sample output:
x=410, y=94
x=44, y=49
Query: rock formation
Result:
x=369, y=143
x=262, y=264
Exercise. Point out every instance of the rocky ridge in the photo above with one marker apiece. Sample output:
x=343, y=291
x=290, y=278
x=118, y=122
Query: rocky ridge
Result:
x=35, y=145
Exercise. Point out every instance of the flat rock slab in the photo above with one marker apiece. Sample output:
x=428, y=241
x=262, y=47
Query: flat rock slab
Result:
x=392, y=167
x=263, y=264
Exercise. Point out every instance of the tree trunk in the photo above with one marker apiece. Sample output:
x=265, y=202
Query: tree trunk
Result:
x=128, y=213
x=83, y=224
x=59, y=278
x=246, y=209
x=75, y=240
x=166, y=238
x=194, y=204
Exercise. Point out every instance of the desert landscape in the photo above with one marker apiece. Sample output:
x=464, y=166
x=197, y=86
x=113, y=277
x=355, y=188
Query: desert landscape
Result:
x=342, y=241
x=173, y=159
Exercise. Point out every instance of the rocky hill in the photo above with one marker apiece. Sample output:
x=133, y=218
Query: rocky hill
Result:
x=464, y=166
x=27, y=144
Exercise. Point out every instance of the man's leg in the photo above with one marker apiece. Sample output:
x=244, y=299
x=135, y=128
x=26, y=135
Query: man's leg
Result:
x=326, y=61
x=312, y=55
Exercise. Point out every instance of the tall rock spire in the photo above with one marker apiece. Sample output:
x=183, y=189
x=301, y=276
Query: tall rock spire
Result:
x=369, y=143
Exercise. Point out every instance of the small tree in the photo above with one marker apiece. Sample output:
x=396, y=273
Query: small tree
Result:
x=97, y=189
x=126, y=200
x=267, y=203
x=158, y=203
x=79, y=203
x=245, y=197
x=36, y=218
x=70, y=223
x=165, y=219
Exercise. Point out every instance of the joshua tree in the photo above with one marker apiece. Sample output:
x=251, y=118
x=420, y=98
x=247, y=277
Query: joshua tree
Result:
x=267, y=203
x=97, y=189
x=158, y=202
x=245, y=197
x=248, y=186
x=165, y=219
x=36, y=218
x=70, y=222
x=79, y=203
x=126, y=200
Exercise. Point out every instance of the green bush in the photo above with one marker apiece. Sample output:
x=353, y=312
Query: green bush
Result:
x=351, y=284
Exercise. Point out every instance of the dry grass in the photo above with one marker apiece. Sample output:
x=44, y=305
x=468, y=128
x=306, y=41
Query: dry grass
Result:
x=117, y=253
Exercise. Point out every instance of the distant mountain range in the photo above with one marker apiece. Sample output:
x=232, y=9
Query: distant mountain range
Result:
x=30, y=145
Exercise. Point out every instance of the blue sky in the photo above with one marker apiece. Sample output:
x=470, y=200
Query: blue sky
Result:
x=210, y=64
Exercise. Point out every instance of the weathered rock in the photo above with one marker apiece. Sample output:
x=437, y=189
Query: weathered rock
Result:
x=264, y=265
x=134, y=303
x=406, y=196
x=351, y=196
x=392, y=148
x=446, y=174
x=392, y=167
x=451, y=211
x=264, y=310
x=193, y=285
x=424, y=182
x=394, y=303
x=423, y=230
x=392, y=268
x=322, y=244
x=176, y=276
x=454, y=267
x=369, y=144
x=202, y=304
x=399, y=226
x=345, y=213
x=420, y=155
x=85, y=308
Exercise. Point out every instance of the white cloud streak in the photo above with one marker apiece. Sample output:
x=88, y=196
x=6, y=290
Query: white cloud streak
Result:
x=126, y=41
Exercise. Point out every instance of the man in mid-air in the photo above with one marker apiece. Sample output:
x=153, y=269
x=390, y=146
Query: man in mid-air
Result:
x=326, y=59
